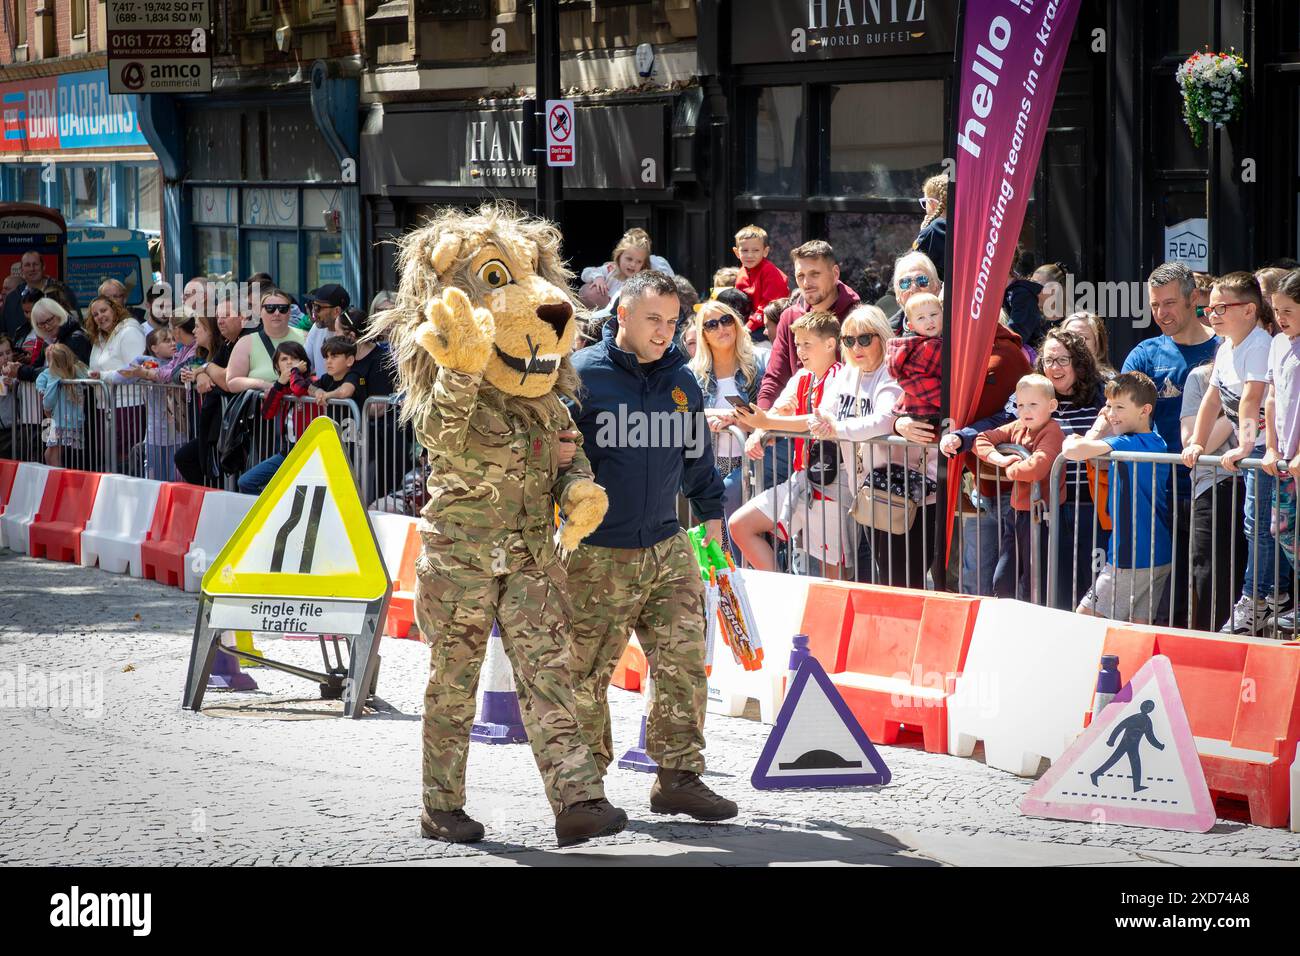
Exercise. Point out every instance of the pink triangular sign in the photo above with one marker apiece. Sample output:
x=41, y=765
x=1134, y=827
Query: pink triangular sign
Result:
x=1135, y=765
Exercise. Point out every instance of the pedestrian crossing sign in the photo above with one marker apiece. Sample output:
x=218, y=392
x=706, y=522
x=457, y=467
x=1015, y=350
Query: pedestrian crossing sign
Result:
x=816, y=741
x=307, y=536
x=1136, y=764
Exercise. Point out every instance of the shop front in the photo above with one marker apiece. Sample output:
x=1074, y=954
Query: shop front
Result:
x=71, y=146
x=263, y=181
x=417, y=157
x=837, y=119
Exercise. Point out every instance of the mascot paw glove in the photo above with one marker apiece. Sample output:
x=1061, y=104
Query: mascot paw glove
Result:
x=584, y=509
x=457, y=335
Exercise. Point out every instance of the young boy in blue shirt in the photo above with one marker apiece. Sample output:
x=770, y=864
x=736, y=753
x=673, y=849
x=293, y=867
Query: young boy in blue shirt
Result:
x=1140, y=551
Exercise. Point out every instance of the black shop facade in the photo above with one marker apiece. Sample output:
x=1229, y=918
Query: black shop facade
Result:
x=635, y=165
x=837, y=116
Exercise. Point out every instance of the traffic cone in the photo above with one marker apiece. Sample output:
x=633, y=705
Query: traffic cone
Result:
x=798, y=654
x=637, y=758
x=244, y=642
x=499, y=721
x=226, y=674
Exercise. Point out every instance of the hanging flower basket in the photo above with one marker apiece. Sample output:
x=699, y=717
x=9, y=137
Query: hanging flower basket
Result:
x=1212, y=87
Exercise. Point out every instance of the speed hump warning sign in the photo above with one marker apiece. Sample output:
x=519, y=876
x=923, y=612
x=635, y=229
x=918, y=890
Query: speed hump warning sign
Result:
x=560, y=133
x=304, y=561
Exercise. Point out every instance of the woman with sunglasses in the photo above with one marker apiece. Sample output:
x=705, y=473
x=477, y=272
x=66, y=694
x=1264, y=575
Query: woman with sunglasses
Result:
x=250, y=362
x=725, y=364
x=913, y=272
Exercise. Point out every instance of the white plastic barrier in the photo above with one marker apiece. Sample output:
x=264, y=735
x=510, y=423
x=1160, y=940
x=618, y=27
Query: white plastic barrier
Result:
x=1295, y=794
x=119, y=523
x=391, y=532
x=219, y=517
x=777, y=601
x=1028, y=681
x=24, y=502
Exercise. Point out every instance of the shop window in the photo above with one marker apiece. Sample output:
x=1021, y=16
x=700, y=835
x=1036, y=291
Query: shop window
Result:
x=886, y=139
x=867, y=244
x=1184, y=226
x=776, y=165
x=85, y=193
x=1171, y=139
x=784, y=233
x=212, y=144
x=324, y=259
x=295, y=148
x=216, y=251
x=143, y=199
x=29, y=184
x=1185, y=26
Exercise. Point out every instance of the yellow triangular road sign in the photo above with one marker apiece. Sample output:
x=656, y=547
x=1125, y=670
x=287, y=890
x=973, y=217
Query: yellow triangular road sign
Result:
x=307, y=535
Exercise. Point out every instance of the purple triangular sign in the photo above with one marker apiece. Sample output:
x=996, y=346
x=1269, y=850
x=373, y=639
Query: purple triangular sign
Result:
x=816, y=741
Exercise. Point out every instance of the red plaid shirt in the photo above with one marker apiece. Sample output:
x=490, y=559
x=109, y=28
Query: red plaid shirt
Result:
x=916, y=362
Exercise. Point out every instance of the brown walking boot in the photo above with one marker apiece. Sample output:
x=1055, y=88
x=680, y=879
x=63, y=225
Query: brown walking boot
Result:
x=450, y=826
x=587, y=819
x=682, y=791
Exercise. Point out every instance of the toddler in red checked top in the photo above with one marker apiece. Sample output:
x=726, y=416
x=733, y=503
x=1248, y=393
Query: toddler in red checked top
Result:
x=916, y=360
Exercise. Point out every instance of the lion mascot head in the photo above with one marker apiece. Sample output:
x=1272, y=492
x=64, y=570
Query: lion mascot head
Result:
x=482, y=292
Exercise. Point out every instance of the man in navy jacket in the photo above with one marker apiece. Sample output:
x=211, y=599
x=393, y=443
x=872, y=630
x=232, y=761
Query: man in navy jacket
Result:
x=643, y=428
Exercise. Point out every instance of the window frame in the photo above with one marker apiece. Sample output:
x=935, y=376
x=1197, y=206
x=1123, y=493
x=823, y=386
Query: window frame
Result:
x=84, y=7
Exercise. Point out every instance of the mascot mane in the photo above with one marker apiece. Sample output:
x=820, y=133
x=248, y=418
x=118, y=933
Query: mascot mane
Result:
x=491, y=224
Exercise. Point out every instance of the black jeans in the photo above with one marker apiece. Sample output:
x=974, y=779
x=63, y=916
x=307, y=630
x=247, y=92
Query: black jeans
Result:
x=901, y=560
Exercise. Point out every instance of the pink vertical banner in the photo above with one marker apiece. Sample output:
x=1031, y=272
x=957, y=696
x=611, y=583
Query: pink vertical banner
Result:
x=1011, y=59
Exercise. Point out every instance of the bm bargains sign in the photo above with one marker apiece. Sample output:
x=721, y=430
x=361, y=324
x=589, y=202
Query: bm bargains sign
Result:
x=73, y=111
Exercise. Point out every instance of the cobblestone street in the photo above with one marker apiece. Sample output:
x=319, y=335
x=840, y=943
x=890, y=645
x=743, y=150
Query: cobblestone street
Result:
x=278, y=777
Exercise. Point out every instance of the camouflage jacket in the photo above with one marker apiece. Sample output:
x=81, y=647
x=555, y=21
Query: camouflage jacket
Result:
x=494, y=470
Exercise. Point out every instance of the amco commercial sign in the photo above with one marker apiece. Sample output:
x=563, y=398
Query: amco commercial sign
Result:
x=73, y=111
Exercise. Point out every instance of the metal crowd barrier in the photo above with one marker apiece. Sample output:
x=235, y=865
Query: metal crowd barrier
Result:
x=1208, y=545
x=274, y=437
x=393, y=469
x=818, y=536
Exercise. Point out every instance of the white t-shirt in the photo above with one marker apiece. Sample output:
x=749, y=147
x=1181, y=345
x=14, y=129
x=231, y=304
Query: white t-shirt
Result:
x=1198, y=383
x=725, y=444
x=1284, y=376
x=316, y=337
x=1235, y=367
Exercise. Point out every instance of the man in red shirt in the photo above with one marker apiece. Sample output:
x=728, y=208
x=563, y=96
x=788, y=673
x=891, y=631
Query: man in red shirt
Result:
x=759, y=279
x=817, y=274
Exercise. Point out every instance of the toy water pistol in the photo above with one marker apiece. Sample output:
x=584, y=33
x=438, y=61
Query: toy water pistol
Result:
x=726, y=604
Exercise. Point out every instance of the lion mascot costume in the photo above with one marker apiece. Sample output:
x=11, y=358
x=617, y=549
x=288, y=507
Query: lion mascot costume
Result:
x=481, y=336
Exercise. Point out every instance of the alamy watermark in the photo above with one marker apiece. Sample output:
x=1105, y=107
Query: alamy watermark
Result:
x=629, y=428
x=1113, y=301
x=53, y=690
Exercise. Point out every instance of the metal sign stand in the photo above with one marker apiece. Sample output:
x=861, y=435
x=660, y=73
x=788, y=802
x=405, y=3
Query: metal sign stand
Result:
x=337, y=681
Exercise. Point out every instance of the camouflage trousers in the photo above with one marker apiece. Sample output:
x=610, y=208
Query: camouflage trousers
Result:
x=462, y=587
x=656, y=591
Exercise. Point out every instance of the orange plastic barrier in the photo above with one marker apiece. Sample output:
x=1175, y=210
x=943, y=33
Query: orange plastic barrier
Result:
x=633, y=668
x=401, y=606
x=892, y=653
x=65, y=508
x=8, y=471
x=174, y=520
x=1242, y=697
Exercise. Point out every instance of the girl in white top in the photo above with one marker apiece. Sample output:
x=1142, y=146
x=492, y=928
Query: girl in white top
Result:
x=116, y=338
x=631, y=255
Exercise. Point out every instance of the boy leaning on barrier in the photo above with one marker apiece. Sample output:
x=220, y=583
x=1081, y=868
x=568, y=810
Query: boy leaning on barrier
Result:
x=1140, y=551
x=1035, y=429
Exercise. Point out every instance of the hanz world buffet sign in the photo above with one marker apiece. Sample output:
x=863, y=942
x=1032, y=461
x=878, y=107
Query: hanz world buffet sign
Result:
x=795, y=30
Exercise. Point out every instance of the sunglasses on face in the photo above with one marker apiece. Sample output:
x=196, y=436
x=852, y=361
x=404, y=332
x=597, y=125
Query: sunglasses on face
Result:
x=712, y=324
x=864, y=340
x=281, y=307
x=905, y=283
